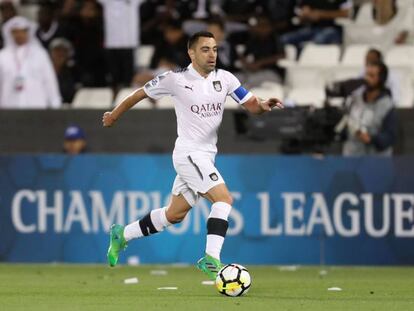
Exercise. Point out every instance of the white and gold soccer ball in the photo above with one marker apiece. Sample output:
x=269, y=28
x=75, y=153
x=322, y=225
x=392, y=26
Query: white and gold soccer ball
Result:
x=233, y=280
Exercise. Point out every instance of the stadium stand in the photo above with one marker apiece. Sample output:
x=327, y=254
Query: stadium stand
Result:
x=354, y=55
x=143, y=55
x=95, y=98
x=303, y=96
x=144, y=104
x=307, y=75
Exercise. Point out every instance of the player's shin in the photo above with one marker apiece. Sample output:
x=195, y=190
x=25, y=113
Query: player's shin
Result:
x=217, y=225
x=154, y=222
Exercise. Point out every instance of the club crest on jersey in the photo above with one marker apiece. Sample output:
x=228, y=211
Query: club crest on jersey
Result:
x=217, y=86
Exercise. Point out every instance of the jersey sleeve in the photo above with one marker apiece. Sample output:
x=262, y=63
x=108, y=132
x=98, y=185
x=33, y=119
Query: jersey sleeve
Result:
x=160, y=86
x=236, y=90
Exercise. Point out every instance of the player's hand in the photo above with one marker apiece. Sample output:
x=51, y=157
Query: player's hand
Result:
x=108, y=120
x=271, y=103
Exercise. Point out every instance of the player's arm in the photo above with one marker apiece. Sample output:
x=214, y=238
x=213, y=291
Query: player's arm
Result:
x=250, y=102
x=256, y=105
x=110, y=117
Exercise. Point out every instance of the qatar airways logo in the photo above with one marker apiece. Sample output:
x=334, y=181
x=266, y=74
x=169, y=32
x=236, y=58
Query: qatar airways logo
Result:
x=207, y=110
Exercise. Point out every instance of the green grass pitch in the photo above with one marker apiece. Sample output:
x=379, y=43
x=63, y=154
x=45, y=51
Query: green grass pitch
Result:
x=87, y=287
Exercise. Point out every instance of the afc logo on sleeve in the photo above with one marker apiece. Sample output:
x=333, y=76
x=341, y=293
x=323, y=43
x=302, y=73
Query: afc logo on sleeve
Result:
x=217, y=86
x=154, y=82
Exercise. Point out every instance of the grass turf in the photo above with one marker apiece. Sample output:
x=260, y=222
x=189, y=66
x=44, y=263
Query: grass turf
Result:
x=74, y=287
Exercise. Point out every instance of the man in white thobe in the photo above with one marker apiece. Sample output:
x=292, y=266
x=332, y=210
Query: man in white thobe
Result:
x=27, y=77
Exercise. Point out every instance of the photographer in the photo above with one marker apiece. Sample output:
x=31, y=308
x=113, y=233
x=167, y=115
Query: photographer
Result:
x=371, y=121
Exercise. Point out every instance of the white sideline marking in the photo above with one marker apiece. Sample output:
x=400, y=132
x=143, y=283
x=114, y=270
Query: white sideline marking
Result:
x=159, y=272
x=131, y=281
x=168, y=288
x=335, y=289
x=207, y=282
x=288, y=268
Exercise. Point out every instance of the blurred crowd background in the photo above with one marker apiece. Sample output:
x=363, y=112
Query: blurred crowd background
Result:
x=315, y=54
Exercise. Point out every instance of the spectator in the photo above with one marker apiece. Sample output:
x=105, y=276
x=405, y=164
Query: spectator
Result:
x=122, y=30
x=7, y=11
x=317, y=20
x=49, y=26
x=88, y=44
x=192, y=9
x=173, y=48
x=389, y=23
x=392, y=83
x=346, y=87
x=280, y=13
x=170, y=54
x=155, y=14
x=263, y=50
x=61, y=53
x=384, y=12
x=68, y=8
x=239, y=10
x=74, y=140
x=226, y=52
x=371, y=120
x=27, y=79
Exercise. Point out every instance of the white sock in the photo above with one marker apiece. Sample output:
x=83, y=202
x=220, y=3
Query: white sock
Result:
x=157, y=219
x=214, y=245
x=216, y=228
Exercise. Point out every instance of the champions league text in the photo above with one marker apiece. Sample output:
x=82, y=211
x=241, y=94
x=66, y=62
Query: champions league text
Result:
x=284, y=214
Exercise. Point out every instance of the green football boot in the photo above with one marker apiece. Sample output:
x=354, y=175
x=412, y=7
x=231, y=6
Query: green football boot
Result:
x=210, y=266
x=117, y=243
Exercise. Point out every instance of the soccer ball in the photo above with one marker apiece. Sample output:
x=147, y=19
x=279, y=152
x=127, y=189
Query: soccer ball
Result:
x=233, y=280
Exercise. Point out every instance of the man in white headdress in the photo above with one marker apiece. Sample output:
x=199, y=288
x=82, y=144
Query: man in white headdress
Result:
x=27, y=78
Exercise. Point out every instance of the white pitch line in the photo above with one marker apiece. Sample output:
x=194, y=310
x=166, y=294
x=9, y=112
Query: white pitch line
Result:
x=131, y=281
x=168, y=288
x=159, y=272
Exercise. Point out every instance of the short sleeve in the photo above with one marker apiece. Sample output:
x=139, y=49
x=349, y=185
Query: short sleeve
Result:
x=232, y=82
x=160, y=86
x=236, y=91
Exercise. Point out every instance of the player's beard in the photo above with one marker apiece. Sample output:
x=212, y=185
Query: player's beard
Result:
x=210, y=67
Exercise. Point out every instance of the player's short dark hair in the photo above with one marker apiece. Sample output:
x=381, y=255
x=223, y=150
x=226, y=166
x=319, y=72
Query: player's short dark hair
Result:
x=194, y=38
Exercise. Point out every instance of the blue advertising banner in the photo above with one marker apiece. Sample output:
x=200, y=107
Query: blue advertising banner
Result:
x=287, y=210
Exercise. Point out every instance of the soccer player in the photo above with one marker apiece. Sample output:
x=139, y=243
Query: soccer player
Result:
x=199, y=92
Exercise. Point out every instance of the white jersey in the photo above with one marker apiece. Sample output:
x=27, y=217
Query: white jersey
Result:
x=199, y=104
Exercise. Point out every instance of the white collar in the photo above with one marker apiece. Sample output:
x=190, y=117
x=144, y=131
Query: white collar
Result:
x=196, y=74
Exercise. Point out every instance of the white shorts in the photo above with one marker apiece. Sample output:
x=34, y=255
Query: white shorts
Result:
x=196, y=174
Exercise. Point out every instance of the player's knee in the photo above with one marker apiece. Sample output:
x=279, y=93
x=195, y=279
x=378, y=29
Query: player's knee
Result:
x=175, y=218
x=227, y=198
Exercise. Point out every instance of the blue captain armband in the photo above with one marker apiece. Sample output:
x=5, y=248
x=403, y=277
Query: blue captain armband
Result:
x=241, y=95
